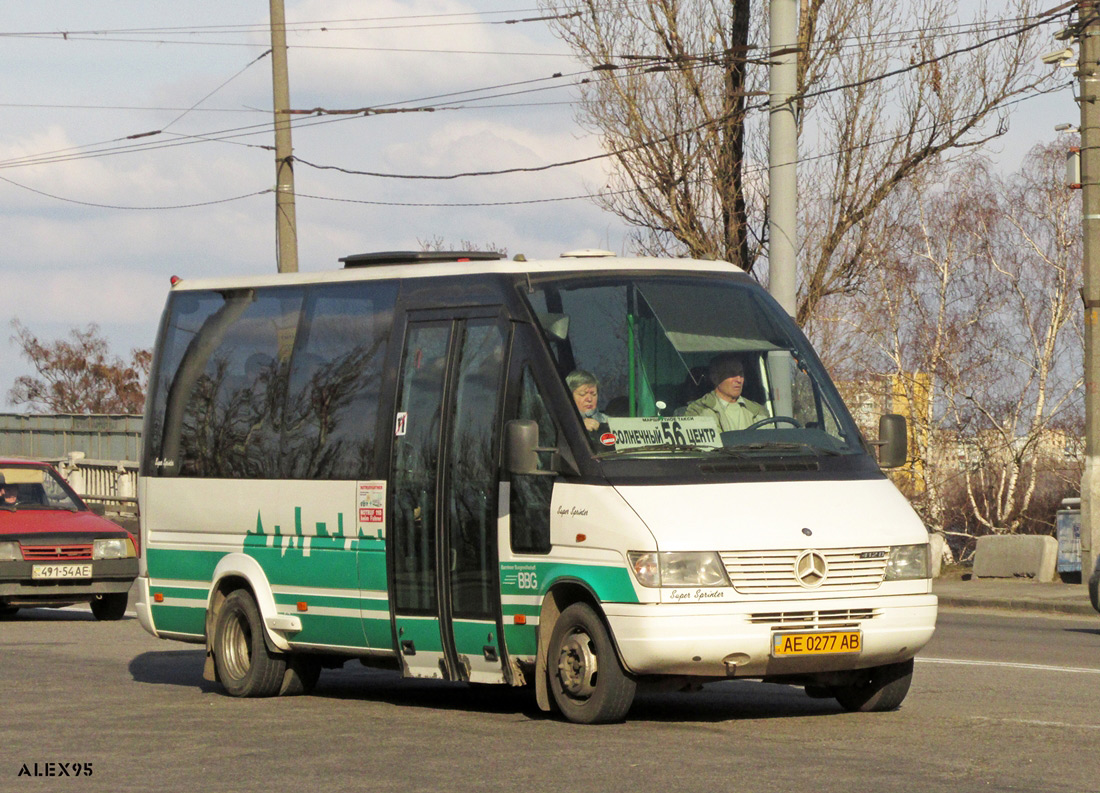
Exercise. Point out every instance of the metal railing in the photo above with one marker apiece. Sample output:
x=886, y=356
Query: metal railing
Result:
x=108, y=482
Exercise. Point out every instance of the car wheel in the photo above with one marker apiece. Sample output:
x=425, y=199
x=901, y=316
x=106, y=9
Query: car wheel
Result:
x=586, y=679
x=246, y=667
x=110, y=607
x=302, y=672
x=879, y=688
x=8, y=611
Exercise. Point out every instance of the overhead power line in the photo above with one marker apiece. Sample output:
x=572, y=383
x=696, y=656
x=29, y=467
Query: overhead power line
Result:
x=138, y=208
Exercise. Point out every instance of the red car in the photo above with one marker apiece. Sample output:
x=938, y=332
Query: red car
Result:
x=54, y=550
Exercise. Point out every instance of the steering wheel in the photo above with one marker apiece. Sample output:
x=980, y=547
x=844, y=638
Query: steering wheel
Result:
x=773, y=420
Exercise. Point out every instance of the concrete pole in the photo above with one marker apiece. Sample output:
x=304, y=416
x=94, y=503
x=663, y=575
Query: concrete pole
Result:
x=286, y=224
x=1089, y=75
x=783, y=155
x=783, y=184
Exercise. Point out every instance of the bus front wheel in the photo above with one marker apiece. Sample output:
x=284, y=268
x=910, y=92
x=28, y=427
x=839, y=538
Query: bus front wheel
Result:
x=246, y=667
x=879, y=688
x=586, y=679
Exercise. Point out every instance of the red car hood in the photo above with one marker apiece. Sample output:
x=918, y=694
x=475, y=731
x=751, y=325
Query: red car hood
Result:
x=56, y=521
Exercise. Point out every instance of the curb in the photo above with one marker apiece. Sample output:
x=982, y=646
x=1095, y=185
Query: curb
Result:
x=1017, y=604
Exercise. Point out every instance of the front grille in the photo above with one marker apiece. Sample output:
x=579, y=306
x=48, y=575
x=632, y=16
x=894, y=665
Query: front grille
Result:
x=50, y=553
x=828, y=618
x=773, y=572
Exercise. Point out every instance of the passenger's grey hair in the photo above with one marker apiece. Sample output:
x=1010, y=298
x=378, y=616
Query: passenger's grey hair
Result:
x=580, y=377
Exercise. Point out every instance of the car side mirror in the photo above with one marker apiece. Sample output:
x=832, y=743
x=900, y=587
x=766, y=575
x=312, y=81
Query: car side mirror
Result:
x=97, y=507
x=893, y=441
x=522, y=450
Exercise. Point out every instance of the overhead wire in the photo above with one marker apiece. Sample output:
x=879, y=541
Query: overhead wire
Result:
x=606, y=193
x=228, y=135
x=192, y=205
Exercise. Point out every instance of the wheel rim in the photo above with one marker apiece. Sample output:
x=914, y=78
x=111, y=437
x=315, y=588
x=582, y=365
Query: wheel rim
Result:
x=578, y=665
x=237, y=647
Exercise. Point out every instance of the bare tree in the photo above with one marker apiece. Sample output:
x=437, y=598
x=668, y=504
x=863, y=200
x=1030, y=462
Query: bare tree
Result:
x=79, y=374
x=969, y=311
x=669, y=100
x=886, y=89
x=874, y=133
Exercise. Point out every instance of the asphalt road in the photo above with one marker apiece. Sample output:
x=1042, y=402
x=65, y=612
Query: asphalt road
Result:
x=999, y=703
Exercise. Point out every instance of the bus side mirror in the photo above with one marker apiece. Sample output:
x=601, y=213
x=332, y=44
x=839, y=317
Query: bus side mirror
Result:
x=522, y=450
x=893, y=441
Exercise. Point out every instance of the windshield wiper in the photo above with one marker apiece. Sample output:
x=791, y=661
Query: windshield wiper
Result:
x=785, y=446
x=664, y=447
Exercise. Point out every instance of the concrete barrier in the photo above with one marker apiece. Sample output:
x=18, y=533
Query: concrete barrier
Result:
x=937, y=542
x=1016, y=556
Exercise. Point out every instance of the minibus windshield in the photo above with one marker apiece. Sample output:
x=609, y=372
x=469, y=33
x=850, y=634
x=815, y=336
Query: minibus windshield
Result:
x=697, y=365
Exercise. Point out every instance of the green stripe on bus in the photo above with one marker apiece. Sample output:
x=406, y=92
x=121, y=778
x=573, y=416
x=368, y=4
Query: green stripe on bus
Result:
x=610, y=584
x=349, y=601
x=521, y=640
x=473, y=637
x=182, y=565
x=378, y=633
x=424, y=633
x=200, y=596
x=180, y=619
x=326, y=629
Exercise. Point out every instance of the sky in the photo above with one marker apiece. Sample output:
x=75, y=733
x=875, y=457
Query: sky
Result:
x=95, y=222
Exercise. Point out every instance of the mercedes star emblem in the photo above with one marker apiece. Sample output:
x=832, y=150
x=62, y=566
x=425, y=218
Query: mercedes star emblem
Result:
x=810, y=569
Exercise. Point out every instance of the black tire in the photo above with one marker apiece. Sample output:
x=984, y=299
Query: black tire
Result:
x=302, y=672
x=588, y=683
x=246, y=667
x=8, y=611
x=108, y=608
x=877, y=689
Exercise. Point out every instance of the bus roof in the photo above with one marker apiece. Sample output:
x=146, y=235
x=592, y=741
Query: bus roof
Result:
x=376, y=268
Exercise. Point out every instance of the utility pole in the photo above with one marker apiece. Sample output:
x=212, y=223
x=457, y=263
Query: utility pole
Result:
x=783, y=181
x=286, y=224
x=1088, y=72
x=783, y=154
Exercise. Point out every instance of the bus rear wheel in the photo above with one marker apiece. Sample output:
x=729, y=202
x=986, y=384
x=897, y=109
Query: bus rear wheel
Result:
x=879, y=688
x=586, y=679
x=246, y=667
x=110, y=607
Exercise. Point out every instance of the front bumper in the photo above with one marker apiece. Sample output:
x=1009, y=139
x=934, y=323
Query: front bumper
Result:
x=735, y=640
x=109, y=576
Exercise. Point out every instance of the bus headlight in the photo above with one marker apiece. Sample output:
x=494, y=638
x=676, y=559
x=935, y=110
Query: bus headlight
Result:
x=9, y=552
x=120, y=548
x=908, y=562
x=678, y=568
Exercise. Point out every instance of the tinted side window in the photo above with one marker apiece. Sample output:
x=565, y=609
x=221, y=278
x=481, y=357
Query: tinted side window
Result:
x=530, y=495
x=335, y=381
x=232, y=423
x=184, y=319
x=272, y=383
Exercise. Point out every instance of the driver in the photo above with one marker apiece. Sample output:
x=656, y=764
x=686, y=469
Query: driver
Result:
x=9, y=494
x=725, y=404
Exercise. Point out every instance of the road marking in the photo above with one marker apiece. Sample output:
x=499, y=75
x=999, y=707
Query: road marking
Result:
x=1080, y=670
x=1061, y=725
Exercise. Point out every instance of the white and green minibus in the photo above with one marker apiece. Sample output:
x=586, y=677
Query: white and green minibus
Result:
x=386, y=462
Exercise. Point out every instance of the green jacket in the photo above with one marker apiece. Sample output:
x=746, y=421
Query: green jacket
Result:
x=708, y=405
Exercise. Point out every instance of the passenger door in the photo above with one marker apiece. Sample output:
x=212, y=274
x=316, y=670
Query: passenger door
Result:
x=445, y=479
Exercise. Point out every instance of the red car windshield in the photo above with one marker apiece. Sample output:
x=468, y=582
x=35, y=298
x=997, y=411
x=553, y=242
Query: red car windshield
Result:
x=34, y=487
